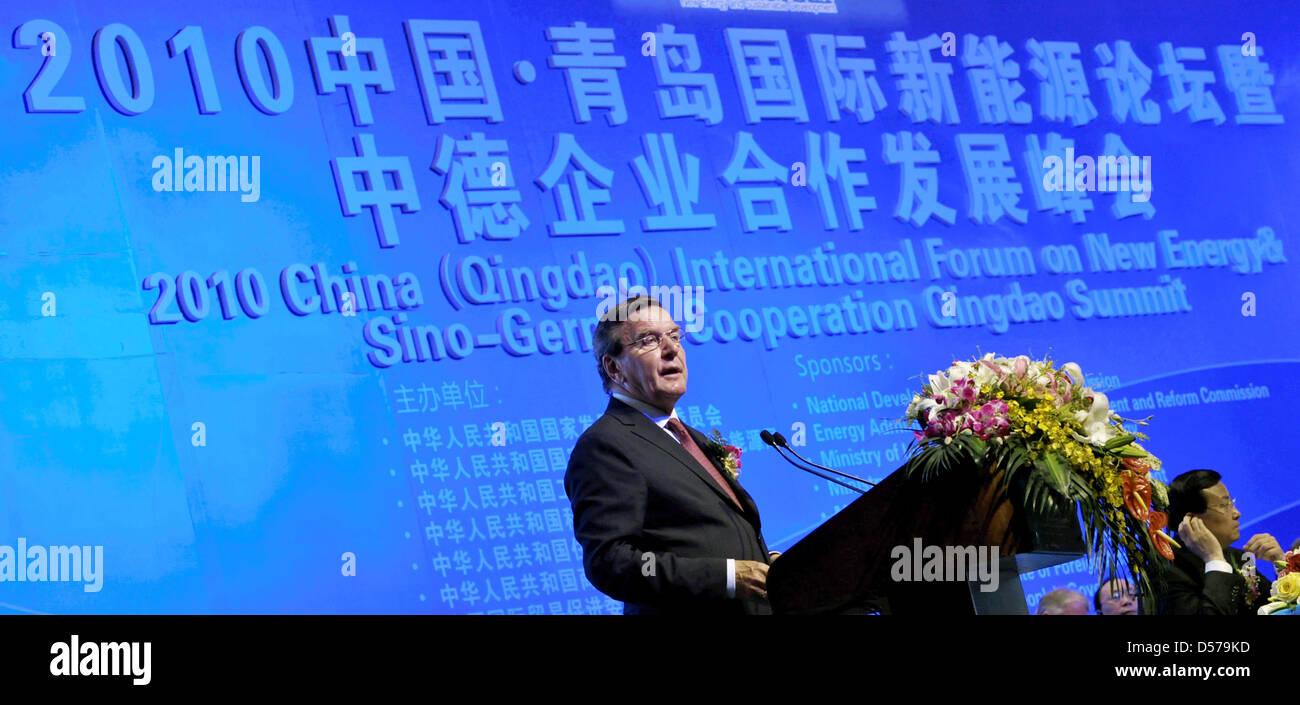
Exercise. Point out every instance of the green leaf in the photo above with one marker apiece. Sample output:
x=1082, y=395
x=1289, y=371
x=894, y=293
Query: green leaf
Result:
x=1128, y=451
x=1118, y=441
x=1055, y=472
x=1041, y=496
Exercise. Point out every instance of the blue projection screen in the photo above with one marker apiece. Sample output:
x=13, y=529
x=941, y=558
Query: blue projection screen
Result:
x=298, y=297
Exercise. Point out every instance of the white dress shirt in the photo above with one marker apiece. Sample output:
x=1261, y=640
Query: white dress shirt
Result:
x=1218, y=567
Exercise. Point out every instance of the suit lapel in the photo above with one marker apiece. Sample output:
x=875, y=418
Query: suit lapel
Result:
x=1235, y=557
x=644, y=428
x=1194, y=566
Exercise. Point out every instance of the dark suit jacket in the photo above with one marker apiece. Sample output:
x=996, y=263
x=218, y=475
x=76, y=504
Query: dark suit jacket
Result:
x=634, y=491
x=1190, y=590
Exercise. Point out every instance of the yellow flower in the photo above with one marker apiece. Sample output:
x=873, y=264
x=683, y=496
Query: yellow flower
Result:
x=732, y=467
x=1287, y=587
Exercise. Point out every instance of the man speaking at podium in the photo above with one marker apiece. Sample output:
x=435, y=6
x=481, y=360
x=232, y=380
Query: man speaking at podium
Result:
x=663, y=527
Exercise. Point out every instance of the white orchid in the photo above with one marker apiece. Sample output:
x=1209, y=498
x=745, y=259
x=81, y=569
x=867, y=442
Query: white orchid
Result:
x=920, y=404
x=939, y=384
x=985, y=376
x=1096, y=421
x=960, y=370
x=1075, y=372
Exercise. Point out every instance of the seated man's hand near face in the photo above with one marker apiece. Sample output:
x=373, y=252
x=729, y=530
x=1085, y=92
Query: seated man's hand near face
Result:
x=1199, y=540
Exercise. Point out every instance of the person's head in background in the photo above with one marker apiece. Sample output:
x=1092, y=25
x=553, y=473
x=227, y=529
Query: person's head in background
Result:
x=1200, y=494
x=1116, y=596
x=1063, y=601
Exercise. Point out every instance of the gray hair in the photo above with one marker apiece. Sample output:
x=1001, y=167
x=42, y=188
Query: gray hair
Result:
x=1058, y=601
x=607, y=338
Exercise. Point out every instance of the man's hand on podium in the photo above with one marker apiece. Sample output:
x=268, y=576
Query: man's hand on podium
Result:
x=751, y=581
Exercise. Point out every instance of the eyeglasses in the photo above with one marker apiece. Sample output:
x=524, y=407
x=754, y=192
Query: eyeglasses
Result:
x=652, y=341
x=1225, y=507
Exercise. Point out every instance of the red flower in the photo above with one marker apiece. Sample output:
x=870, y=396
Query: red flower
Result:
x=1160, y=520
x=1137, y=494
x=1293, y=561
x=1137, y=465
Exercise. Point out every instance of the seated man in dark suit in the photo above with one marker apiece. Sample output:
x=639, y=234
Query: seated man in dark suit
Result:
x=663, y=526
x=1205, y=576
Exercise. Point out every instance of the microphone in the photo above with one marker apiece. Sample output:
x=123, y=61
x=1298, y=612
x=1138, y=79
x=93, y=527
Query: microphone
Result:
x=779, y=439
x=770, y=440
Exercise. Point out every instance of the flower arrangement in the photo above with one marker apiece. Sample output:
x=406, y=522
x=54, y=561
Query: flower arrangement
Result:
x=1286, y=589
x=1028, y=417
x=726, y=454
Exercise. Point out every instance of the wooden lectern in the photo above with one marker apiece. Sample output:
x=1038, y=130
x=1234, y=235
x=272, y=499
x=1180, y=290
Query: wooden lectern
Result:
x=844, y=566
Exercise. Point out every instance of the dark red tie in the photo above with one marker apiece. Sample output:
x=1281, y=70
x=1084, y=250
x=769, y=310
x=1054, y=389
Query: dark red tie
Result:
x=679, y=429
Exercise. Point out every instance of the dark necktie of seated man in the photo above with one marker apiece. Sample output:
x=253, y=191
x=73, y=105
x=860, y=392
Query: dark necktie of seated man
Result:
x=679, y=429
